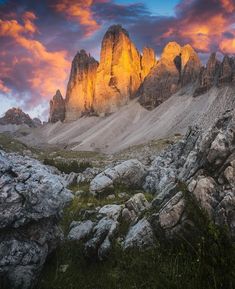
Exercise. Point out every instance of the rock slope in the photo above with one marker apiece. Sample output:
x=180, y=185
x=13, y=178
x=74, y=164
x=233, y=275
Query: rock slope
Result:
x=31, y=201
x=201, y=166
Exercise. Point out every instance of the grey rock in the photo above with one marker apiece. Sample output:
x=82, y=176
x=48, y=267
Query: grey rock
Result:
x=139, y=236
x=71, y=179
x=31, y=201
x=80, y=230
x=111, y=211
x=100, y=244
x=130, y=173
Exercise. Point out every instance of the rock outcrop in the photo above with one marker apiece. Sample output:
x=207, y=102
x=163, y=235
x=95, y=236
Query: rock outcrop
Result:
x=148, y=60
x=204, y=162
x=216, y=73
x=119, y=71
x=31, y=200
x=16, y=116
x=101, y=88
x=81, y=86
x=209, y=75
x=57, y=108
x=129, y=173
x=178, y=66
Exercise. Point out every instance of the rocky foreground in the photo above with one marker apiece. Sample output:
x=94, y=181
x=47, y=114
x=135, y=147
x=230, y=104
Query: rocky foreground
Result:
x=32, y=196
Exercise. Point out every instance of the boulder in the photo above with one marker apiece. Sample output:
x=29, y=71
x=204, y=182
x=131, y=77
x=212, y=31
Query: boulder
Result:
x=80, y=230
x=139, y=236
x=101, y=242
x=130, y=173
x=31, y=201
x=111, y=211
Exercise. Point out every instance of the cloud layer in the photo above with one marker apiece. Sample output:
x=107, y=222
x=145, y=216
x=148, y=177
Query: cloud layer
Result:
x=39, y=40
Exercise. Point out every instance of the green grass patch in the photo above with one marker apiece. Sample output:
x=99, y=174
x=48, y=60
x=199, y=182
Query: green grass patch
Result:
x=67, y=166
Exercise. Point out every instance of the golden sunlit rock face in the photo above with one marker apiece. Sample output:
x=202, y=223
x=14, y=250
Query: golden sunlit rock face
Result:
x=81, y=86
x=119, y=71
x=178, y=66
x=148, y=60
x=102, y=88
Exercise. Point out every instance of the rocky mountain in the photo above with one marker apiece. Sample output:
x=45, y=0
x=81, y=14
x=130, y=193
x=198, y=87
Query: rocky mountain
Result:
x=177, y=67
x=102, y=88
x=119, y=71
x=18, y=117
x=57, y=108
x=216, y=73
x=81, y=86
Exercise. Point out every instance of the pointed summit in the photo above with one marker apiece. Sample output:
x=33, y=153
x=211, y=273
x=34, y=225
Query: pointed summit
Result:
x=57, y=108
x=148, y=60
x=119, y=71
x=81, y=86
x=178, y=66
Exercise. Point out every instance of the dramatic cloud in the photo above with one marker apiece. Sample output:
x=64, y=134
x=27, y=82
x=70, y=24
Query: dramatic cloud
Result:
x=40, y=38
x=81, y=11
x=43, y=70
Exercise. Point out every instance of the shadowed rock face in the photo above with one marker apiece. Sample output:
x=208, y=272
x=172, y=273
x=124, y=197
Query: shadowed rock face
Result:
x=216, y=73
x=81, y=86
x=16, y=116
x=178, y=66
x=119, y=71
x=57, y=108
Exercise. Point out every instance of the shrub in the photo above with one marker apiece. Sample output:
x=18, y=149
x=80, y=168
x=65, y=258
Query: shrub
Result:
x=68, y=167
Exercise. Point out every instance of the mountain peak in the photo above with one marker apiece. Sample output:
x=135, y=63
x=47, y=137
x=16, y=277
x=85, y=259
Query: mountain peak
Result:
x=171, y=50
x=16, y=116
x=117, y=29
x=57, y=108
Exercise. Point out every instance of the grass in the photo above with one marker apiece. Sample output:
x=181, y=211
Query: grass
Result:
x=10, y=144
x=68, y=167
x=87, y=201
x=201, y=257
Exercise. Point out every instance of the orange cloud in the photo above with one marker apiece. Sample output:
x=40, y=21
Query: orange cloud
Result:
x=4, y=88
x=227, y=46
x=228, y=5
x=202, y=33
x=49, y=69
x=80, y=10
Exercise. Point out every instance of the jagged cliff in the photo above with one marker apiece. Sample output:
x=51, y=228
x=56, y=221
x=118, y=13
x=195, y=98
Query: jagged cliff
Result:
x=81, y=86
x=102, y=88
x=177, y=67
x=124, y=73
x=119, y=71
x=57, y=108
x=216, y=73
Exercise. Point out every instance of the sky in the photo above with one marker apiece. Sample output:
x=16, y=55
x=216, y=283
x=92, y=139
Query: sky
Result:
x=38, y=39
